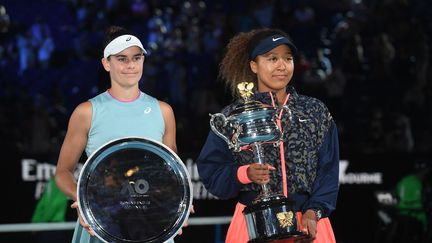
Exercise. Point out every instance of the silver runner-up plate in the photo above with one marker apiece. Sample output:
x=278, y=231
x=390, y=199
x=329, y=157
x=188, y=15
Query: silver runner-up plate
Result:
x=134, y=190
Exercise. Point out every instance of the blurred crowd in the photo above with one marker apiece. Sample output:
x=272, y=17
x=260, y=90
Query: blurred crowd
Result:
x=368, y=60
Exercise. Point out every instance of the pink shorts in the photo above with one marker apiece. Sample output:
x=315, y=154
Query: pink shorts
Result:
x=237, y=231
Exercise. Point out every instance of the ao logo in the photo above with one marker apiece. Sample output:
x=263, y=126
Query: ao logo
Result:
x=140, y=186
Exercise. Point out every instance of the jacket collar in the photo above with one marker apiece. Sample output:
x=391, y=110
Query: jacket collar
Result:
x=265, y=97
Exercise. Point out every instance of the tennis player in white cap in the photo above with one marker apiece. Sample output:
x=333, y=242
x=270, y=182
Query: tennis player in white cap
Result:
x=121, y=111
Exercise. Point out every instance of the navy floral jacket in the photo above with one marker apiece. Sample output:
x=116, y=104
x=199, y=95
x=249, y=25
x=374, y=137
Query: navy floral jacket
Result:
x=311, y=148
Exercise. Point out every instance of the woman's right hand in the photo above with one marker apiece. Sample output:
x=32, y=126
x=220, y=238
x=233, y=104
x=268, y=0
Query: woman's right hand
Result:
x=259, y=173
x=81, y=220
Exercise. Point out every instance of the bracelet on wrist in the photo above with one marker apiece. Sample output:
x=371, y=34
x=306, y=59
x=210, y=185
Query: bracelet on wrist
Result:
x=318, y=214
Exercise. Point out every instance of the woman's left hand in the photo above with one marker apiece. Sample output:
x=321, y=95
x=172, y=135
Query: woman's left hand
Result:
x=309, y=225
x=192, y=210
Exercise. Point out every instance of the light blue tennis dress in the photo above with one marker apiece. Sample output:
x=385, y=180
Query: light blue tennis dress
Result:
x=114, y=119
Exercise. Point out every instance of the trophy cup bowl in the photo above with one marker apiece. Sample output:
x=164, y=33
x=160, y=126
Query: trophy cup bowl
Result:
x=271, y=216
x=252, y=122
x=134, y=190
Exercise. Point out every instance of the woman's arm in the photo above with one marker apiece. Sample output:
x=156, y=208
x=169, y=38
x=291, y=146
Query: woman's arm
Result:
x=326, y=186
x=70, y=153
x=169, y=137
x=217, y=168
x=72, y=149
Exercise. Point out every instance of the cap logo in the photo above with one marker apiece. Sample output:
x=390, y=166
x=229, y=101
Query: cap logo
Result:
x=271, y=42
x=129, y=38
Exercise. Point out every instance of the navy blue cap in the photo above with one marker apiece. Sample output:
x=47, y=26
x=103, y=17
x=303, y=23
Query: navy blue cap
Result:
x=271, y=42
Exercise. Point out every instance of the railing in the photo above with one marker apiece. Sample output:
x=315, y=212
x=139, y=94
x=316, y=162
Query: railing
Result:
x=25, y=227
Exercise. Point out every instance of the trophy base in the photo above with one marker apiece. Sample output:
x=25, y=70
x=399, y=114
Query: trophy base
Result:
x=294, y=236
x=272, y=218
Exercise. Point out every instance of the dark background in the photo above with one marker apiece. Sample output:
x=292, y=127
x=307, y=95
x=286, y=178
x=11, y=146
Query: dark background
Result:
x=368, y=61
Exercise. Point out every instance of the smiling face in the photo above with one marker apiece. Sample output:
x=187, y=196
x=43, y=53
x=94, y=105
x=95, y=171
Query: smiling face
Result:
x=125, y=67
x=274, y=69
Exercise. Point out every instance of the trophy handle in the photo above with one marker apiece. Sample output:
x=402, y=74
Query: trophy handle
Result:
x=215, y=129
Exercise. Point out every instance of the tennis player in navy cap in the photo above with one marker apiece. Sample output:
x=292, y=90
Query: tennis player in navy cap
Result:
x=304, y=167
